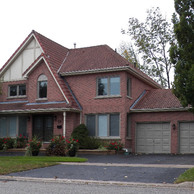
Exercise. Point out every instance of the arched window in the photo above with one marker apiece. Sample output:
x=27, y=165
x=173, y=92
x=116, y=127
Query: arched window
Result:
x=42, y=86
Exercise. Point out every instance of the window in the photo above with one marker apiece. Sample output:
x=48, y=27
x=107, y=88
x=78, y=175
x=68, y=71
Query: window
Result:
x=129, y=87
x=103, y=125
x=17, y=90
x=42, y=86
x=108, y=86
x=128, y=126
x=11, y=126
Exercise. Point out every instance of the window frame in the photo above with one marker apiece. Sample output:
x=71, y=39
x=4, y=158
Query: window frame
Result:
x=108, y=125
x=108, y=86
x=42, y=78
x=17, y=91
x=129, y=87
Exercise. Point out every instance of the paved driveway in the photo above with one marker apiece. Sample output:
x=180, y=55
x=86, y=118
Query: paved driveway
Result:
x=132, y=168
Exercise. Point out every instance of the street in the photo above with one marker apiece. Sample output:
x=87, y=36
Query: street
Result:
x=22, y=187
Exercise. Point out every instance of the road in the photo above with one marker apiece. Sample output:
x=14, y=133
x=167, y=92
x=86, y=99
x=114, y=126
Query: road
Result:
x=23, y=187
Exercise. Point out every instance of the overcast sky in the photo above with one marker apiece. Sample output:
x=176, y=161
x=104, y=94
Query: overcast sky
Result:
x=84, y=22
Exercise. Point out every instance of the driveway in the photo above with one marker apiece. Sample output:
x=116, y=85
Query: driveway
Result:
x=132, y=168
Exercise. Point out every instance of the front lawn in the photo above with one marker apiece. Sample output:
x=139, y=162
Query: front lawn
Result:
x=12, y=164
x=188, y=175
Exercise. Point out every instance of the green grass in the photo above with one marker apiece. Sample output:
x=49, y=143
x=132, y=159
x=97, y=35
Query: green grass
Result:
x=12, y=164
x=188, y=175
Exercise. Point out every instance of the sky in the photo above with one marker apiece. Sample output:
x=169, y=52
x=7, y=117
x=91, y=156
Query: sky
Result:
x=84, y=22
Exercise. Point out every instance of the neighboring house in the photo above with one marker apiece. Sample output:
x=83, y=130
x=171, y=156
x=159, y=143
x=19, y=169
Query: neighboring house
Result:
x=49, y=90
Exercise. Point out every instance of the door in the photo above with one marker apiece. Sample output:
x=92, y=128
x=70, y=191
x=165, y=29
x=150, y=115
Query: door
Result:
x=186, y=138
x=43, y=127
x=153, y=138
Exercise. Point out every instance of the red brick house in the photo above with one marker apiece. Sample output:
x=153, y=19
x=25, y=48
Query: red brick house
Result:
x=48, y=90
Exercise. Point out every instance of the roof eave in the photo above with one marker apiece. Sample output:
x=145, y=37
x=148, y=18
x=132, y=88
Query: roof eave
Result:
x=20, y=111
x=159, y=110
x=112, y=69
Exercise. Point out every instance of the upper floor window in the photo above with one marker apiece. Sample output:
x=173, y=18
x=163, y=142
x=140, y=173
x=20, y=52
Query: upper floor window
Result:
x=109, y=86
x=42, y=86
x=17, y=90
x=129, y=87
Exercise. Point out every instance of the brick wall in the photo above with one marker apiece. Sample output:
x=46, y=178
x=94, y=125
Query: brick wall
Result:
x=85, y=89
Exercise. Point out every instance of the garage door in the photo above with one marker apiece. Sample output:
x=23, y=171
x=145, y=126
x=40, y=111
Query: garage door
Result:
x=186, y=138
x=153, y=138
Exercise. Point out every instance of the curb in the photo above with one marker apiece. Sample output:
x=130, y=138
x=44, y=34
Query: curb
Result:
x=78, y=181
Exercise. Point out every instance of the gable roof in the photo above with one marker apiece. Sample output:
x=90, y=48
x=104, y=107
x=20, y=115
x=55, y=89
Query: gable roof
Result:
x=158, y=100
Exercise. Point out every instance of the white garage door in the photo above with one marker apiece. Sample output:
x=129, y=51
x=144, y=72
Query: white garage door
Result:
x=153, y=138
x=186, y=138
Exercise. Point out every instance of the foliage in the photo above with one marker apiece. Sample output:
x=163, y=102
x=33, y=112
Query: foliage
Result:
x=20, y=141
x=188, y=175
x=12, y=164
x=6, y=143
x=57, y=147
x=80, y=133
x=60, y=146
x=152, y=40
x=115, y=145
x=33, y=147
x=91, y=143
x=182, y=53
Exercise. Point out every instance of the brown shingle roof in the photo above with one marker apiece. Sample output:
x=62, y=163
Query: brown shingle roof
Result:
x=158, y=99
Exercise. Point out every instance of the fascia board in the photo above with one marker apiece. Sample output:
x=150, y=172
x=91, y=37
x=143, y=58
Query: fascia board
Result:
x=159, y=110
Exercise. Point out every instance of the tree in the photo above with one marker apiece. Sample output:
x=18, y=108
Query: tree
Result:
x=182, y=53
x=152, y=40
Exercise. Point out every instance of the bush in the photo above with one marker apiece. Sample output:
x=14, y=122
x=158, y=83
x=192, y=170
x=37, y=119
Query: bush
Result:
x=91, y=143
x=60, y=146
x=6, y=143
x=20, y=142
x=33, y=147
x=80, y=133
x=115, y=145
x=57, y=147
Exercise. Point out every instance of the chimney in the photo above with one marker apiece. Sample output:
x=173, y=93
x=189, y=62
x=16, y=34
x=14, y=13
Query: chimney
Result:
x=74, y=45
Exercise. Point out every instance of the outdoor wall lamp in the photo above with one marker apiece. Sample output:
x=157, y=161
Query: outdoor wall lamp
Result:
x=28, y=118
x=173, y=126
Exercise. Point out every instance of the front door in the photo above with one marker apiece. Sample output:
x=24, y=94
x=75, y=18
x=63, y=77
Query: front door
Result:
x=43, y=127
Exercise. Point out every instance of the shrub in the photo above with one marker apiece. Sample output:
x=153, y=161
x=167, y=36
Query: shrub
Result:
x=57, y=147
x=115, y=145
x=20, y=142
x=33, y=147
x=91, y=143
x=60, y=146
x=80, y=133
x=7, y=143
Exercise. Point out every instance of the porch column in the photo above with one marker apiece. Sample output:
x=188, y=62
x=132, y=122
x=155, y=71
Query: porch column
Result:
x=64, y=123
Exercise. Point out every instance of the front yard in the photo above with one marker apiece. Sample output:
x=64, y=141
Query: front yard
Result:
x=12, y=164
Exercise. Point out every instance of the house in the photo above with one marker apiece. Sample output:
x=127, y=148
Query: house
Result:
x=49, y=90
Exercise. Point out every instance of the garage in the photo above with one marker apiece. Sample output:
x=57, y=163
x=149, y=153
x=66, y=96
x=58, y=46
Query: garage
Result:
x=186, y=137
x=153, y=138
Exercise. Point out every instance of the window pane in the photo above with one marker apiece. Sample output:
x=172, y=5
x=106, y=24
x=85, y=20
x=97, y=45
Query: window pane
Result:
x=13, y=91
x=102, y=125
x=43, y=89
x=102, y=86
x=22, y=90
x=3, y=127
x=128, y=126
x=48, y=131
x=129, y=87
x=91, y=124
x=114, y=85
x=22, y=126
x=12, y=126
x=114, y=125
